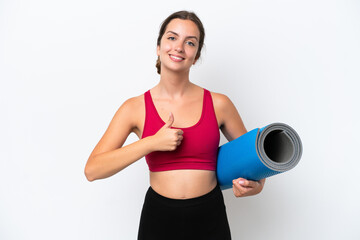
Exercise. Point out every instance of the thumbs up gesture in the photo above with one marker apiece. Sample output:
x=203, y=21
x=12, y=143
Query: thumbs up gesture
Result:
x=167, y=139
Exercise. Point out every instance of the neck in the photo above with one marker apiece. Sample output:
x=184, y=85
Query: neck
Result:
x=174, y=83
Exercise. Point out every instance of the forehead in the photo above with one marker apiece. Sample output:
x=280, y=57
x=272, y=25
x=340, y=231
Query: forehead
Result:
x=183, y=27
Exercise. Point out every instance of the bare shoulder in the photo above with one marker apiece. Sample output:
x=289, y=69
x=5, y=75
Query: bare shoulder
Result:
x=133, y=110
x=133, y=103
x=125, y=121
x=220, y=100
x=222, y=103
x=228, y=117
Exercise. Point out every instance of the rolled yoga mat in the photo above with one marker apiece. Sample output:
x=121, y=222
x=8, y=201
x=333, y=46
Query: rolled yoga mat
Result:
x=258, y=154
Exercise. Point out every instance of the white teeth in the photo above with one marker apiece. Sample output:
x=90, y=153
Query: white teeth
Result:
x=178, y=58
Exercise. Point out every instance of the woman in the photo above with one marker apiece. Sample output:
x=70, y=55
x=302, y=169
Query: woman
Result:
x=178, y=125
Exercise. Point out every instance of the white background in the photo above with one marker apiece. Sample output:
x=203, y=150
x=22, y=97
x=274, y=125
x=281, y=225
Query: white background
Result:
x=66, y=66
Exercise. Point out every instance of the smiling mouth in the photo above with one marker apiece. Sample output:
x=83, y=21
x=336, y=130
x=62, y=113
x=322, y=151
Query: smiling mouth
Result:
x=175, y=58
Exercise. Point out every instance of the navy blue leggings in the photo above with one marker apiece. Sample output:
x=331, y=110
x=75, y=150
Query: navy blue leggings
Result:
x=197, y=218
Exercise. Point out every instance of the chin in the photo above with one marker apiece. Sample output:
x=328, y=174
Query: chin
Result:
x=177, y=69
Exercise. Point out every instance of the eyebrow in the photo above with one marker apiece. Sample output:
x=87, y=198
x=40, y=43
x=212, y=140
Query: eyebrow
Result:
x=178, y=35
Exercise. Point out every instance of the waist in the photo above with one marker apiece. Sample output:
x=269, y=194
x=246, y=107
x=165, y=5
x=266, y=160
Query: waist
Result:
x=183, y=184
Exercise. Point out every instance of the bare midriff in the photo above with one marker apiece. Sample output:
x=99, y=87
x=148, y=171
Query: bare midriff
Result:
x=183, y=184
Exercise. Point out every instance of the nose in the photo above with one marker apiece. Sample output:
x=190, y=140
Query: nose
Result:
x=179, y=48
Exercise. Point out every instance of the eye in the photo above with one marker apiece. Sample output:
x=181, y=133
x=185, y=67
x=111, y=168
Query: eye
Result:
x=171, y=38
x=191, y=44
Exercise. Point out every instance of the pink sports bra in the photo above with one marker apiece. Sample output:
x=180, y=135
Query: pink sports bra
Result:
x=198, y=149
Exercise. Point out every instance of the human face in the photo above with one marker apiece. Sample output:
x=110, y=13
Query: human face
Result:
x=179, y=45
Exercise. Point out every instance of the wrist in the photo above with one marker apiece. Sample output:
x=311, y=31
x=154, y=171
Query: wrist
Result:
x=150, y=144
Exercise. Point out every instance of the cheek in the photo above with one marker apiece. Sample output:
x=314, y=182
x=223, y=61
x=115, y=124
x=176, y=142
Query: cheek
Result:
x=165, y=48
x=192, y=51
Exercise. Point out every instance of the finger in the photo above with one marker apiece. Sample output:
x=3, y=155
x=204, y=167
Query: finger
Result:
x=235, y=191
x=170, y=121
x=238, y=189
x=247, y=183
x=238, y=186
x=242, y=181
x=252, y=184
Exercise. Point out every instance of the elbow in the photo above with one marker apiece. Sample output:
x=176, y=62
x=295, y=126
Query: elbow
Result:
x=89, y=173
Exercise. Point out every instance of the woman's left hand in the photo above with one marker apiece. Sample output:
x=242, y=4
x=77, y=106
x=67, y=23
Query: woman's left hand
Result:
x=243, y=187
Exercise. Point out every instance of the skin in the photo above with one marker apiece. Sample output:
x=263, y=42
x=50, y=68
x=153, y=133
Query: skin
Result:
x=179, y=104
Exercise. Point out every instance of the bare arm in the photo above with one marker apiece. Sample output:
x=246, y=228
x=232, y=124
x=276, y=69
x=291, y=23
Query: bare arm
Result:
x=231, y=124
x=109, y=156
x=106, y=164
x=233, y=127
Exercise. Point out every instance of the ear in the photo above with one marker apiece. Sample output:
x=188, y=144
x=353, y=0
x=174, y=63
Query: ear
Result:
x=158, y=50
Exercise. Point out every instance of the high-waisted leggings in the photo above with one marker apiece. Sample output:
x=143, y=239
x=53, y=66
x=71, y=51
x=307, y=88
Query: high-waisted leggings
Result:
x=197, y=218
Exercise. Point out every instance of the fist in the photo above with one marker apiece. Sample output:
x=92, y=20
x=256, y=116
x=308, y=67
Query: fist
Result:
x=243, y=187
x=168, y=139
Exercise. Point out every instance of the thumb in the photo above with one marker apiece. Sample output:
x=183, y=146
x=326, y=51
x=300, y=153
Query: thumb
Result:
x=170, y=121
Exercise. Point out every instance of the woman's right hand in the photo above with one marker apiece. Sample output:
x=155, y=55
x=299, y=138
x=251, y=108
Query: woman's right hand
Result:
x=167, y=138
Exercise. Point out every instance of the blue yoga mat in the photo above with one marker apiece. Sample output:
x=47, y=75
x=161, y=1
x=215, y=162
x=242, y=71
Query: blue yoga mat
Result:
x=258, y=154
